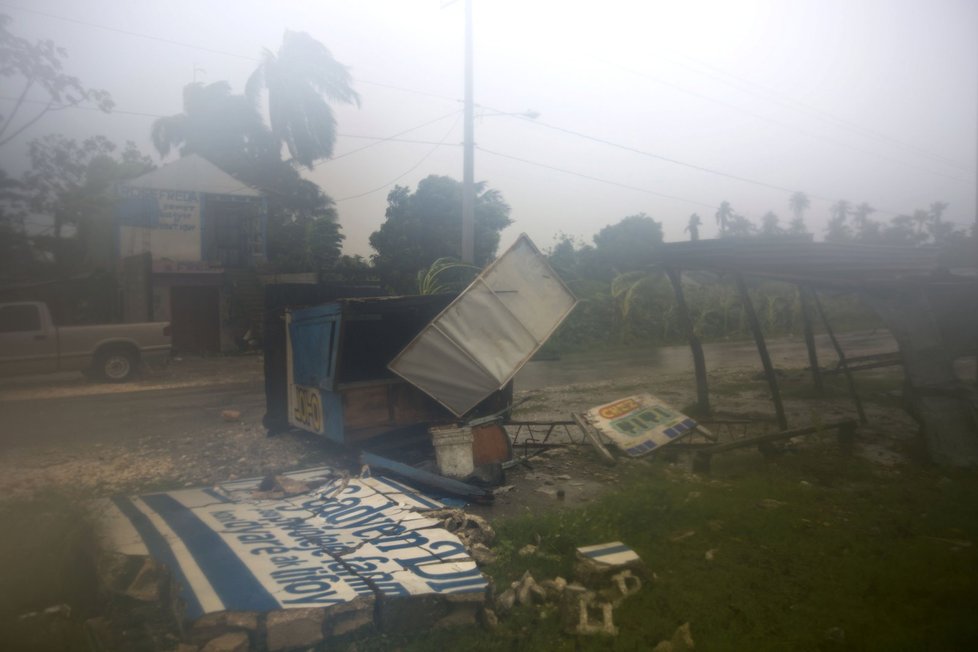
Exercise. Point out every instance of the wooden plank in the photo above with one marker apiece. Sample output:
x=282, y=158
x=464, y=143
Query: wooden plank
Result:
x=805, y=299
x=603, y=452
x=776, y=436
x=842, y=361
x=695, y=347
x=426, y=478
x=755, y=326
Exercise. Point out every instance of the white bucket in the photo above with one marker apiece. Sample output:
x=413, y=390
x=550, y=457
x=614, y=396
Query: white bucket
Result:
x=453, y=450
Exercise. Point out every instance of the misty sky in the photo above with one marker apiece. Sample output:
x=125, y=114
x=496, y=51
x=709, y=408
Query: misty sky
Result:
x=871, y=101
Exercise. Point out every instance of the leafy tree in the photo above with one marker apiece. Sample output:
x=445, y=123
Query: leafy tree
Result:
x=71, y=182
x=799, y=203
x=797, y=227
x=770, y=225
x=866, y=230
x=38, y=66
x=739, y=226
x=693, y=227
x=16, y=252
x=301, y=80
x=838, y=229
x=629, y=244
x=426, y=225
x=227, y=129
x=723, y=216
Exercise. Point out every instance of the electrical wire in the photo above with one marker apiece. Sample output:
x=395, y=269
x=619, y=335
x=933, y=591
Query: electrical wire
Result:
x=591, y=178
x=406, y=172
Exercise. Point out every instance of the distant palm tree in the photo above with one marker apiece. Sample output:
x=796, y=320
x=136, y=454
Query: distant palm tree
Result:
x=301, y=79
x=770, y=225
x=216, y=124
x=724, y=215
x=693, y=227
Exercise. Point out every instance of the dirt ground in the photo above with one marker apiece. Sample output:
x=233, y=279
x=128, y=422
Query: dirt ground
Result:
x=166, y=430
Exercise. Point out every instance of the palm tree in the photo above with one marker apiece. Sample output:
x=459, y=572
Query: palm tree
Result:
x=301, y=80
x=770, y=225
x=723, y=216
x=220, y=126
x=693, y=227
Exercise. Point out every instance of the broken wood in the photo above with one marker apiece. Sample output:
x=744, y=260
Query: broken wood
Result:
x=755, y=327
x=846, y=434
x=805, y=299
x=850, y=381
x=426, y=478
x=592, y=438
x=695, y=347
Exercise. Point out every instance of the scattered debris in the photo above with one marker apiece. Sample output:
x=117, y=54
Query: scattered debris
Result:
x=770, y=503
x=231, y=415
x=711, y=554
x=640, y=423
x=527, y=550
x=681, y=641
x=596, y=564
x=682, y=536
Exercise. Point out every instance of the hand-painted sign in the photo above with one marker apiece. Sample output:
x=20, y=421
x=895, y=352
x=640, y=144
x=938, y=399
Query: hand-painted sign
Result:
x=349, y=537
x=640, y=424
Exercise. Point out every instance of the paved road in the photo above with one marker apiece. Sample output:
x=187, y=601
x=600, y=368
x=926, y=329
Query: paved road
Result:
x=188, y=397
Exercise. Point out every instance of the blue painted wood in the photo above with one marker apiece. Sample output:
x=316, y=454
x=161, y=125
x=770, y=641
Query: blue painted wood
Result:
x=426, y=478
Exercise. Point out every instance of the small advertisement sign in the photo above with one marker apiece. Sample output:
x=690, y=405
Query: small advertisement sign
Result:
x=640, y=424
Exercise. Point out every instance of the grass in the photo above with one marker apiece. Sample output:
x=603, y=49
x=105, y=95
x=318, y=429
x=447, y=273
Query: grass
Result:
x=888, y=558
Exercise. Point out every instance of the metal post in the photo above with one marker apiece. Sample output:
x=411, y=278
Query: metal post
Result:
x=468, y=156
x=804, y=297
x=686, y=323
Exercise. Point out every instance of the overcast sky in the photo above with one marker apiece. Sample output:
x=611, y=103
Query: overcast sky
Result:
x=871, y=101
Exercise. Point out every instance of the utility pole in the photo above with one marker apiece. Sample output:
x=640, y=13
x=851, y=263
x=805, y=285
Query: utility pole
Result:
x=468, y=156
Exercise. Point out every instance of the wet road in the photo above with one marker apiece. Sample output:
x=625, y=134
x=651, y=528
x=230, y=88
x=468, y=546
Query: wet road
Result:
x=188, y=397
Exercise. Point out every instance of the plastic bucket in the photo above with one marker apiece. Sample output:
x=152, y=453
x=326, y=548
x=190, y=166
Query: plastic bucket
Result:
x=453, y=450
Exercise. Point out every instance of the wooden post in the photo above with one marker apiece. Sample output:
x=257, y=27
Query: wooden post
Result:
x=699, y=361
x=842, y=361
x=755, y=326
x=804, y=297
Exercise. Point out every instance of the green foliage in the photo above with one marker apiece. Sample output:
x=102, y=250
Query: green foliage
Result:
x=29, y=67
x=228, y=130
x=445, y=275
x=426, y=225
x=628, y=244
x=301, y=80
x=887, y=557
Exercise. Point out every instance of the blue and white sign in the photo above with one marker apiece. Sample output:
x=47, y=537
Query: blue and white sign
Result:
x=231, y=550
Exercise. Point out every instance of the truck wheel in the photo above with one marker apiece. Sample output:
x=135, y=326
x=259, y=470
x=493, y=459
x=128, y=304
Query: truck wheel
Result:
x=116, y=366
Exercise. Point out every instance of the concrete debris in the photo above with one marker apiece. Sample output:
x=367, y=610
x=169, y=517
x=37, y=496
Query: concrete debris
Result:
x=149, y=583
x=681, y=641
x=528, y=592
x=682, y=536
x=274, y=487
x=408, y=614
x=505, y=601
x=488, y=619
x=583, y=613
x=349, y=617
x=770, y=503
x=527, y=550
x=214, y=625
x=469, y=528
x=230, y=642
x=622, y=585
x=287, y=629
x=554, y=587
x=482, y=554
x=711, y=554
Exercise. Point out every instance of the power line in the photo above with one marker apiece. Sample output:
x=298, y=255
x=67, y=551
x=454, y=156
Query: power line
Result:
x=406, y=172
x=791, y=102
x=591, y=178
x=779, y=123
x=200, y=48
x=393, y=137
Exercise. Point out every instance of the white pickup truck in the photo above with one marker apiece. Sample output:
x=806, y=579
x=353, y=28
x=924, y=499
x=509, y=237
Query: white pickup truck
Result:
x=30, y=343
